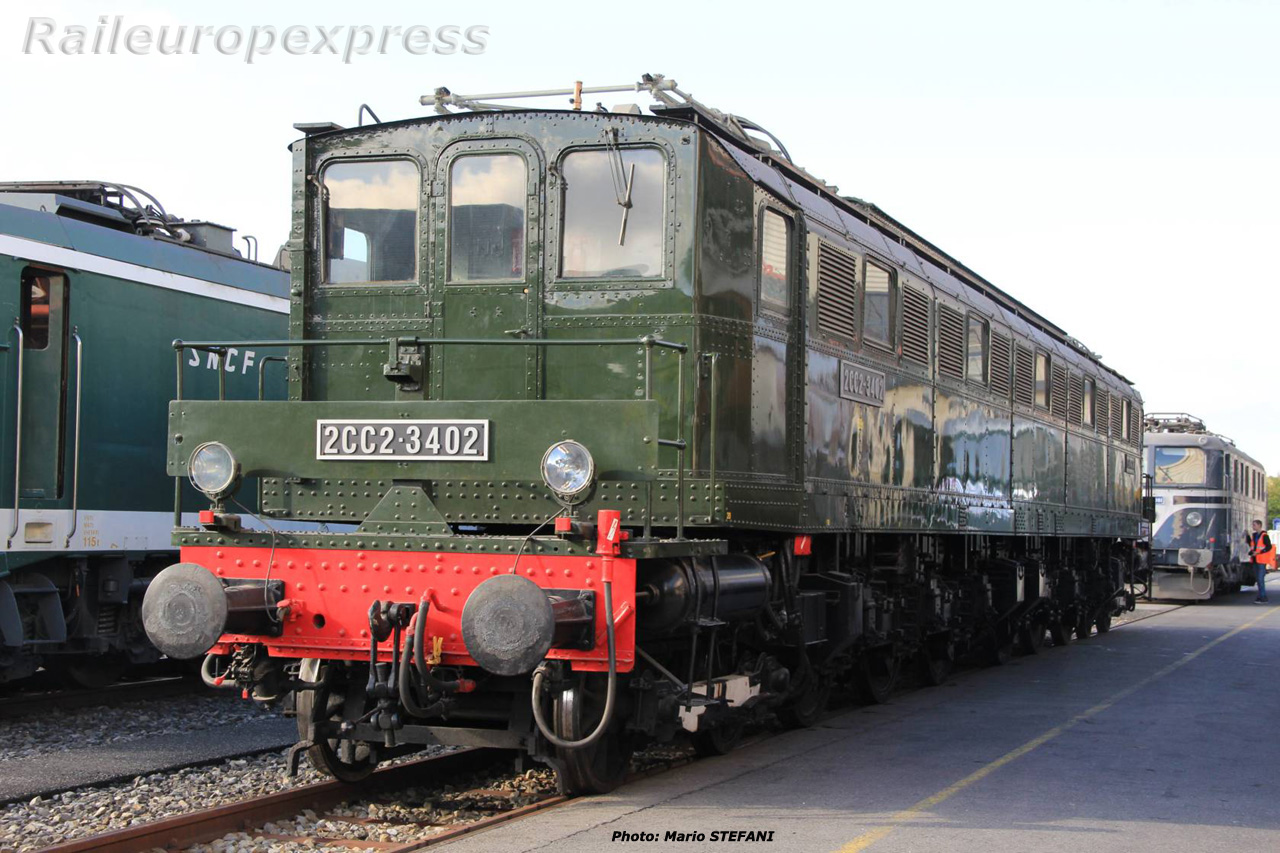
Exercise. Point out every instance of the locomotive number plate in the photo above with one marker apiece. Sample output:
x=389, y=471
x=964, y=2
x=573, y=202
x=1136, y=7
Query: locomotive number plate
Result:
x=423, y=441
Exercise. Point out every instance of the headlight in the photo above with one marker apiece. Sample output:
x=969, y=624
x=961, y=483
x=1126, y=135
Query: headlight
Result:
x=1194, y=519
x=213, y=469
x=568, y=469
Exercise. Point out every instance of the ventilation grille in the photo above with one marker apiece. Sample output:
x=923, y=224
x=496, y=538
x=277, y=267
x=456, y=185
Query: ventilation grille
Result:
x=1000, y=365
x=1075, y=400
x=1135, y=423
x=1117, y=418
x=915, y=325
x=1102, y=417
x=837, y=292
x=1058, y=394
x=1024, y=377
x=950, y=342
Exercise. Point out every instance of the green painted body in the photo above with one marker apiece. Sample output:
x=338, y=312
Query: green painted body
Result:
x=125, y=363
x=772, y=444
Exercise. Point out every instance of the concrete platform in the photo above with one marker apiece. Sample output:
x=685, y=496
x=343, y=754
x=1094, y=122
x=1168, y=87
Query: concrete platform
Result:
x=1154, y=737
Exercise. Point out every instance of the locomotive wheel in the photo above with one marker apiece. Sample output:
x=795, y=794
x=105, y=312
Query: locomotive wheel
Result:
x=1084, y=625
x=878, y=675
x=1104, y=622
x=1060, y=631
x=600, y=767
x=89, y=672
x=997, y=646
x=1031, y=638
x=936, y=665
x=808, y=703
x=345, y=760
x=719, y=740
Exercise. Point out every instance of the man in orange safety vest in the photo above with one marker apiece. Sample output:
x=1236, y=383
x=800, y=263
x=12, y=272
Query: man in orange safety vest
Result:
x=1262, y=554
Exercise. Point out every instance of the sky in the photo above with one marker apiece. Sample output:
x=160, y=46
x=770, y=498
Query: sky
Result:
x=1115, y=165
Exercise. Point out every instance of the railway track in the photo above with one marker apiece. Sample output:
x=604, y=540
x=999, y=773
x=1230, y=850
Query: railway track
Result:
x=26, y=702
x=207, y=825
x=342, y=815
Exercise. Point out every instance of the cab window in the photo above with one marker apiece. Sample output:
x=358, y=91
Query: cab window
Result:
x=1187, y=466
x=614, y=201
x=487, y=195
x=371, y=221
x=878, y=299
x=775, y=238
x=37, y=302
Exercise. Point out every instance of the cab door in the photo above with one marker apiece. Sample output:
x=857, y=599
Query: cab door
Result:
x=488, y=277
x=43, y=320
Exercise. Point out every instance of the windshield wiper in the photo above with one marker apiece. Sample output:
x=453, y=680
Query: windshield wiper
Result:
x=626, y=206
x=622, y=180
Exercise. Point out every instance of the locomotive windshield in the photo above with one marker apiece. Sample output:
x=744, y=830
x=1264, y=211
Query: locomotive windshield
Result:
x=486, y=217
x=1188, y=466
x=371, y=214
x=613, y=207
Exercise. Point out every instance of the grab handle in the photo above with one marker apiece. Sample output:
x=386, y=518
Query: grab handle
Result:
x=17, y=440
x=75, y=459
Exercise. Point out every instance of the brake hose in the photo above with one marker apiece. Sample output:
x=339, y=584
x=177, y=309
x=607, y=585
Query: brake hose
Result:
x=407, y=695
x=605, y=718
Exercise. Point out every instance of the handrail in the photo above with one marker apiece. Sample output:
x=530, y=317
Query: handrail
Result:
x=75, y=463
x=17, y=438
x=649, y=342
x=262, y=373
x=223, y=346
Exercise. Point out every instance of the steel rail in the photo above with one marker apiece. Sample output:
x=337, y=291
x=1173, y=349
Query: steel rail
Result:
x=41, y=701
x=213, y=823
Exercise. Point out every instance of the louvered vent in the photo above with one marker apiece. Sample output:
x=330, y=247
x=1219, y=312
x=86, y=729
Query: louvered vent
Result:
x=950, y=342
x=1135, y=423
x=1000, y=365
x=1117, y=418
x=1024, y=376
x=1058, y=394
x=1075, y=399
x=837, y=292
x=1102, y=417
x=915, y=325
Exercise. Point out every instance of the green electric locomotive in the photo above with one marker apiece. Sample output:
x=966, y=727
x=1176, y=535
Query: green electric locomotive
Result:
x=98, y=282
x=642, y=429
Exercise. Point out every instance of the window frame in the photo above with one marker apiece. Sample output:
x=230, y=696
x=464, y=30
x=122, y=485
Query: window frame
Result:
x=890, y=348
x=28, y=274
x=970, y=317
x=322, y=202
x=554, y=240
x=459, y=152
x=1038, y=354
x=770, y=308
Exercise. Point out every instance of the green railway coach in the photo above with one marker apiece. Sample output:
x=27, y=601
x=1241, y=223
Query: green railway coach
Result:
x=97, y=282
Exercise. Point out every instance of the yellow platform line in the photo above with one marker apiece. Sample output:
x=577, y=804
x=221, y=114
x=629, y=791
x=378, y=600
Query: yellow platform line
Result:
x=862, y=842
